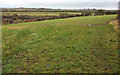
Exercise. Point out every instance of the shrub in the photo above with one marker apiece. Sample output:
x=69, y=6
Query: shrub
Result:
x=39, y=19
x=63, y=15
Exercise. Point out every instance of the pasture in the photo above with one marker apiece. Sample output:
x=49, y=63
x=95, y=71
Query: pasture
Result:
x=38, y=13
x=73, y=45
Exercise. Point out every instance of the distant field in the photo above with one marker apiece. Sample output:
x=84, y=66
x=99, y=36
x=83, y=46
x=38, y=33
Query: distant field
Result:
x=37, y=13
x=93, y=20
x=61, y=46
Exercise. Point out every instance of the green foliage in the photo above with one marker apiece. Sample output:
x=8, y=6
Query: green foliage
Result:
x=18, y=17
x=63, y=15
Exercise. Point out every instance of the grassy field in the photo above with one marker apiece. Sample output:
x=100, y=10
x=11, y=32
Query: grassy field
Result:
x=37, y=13
x=61, y=46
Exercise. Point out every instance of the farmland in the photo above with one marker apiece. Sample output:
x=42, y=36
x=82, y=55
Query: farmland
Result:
x=73, y=45
x=21, y=17
x=14, y=16
x=38, y=13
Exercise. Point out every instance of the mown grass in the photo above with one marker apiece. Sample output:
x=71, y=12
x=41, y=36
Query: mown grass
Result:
x=61, y=46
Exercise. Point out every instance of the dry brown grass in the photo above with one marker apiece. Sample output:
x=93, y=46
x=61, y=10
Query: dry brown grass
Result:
x=115, y=23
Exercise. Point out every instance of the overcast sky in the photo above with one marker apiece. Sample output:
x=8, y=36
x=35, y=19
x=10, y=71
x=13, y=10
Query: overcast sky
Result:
x=17, y=1
x=75, y=4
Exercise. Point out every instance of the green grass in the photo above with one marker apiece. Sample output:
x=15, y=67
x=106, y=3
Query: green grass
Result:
x=37, y=13
x=71, y=21
x=61, y=46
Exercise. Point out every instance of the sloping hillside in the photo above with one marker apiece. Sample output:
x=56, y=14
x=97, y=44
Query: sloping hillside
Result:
x=75, y=45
